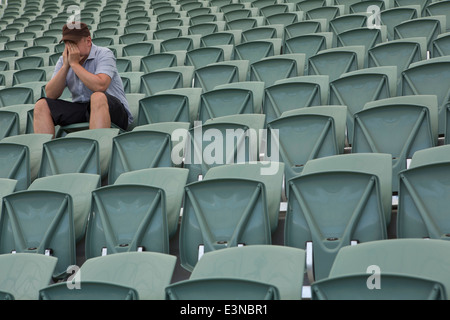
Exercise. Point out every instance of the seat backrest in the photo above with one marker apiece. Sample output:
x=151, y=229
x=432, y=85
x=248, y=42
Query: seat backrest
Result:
x=39, y=221
x=336, y=61
x=225, y=101
x=34, y=142
x=421, y=207
x=429, y=77
x=400, y=53
x=231, y=223
x=235, y=139
x=280, y=266
x=64, y=155
x=308, y=133
x=256, y=87
x=347, y=22
x=256, y=50
x=360, y=211
x=79, y=186
x=405, y=256
x=390, y=17
x=110, y=228
x=157, y=61
x=171, y=180
x=413, y=120
x=308, y=44
x=295, y=93
x=439, y=8
x=16, y=95
x=146, y=146
x=428, y=27
x=221, y=289
x=371, y=83
x=203, y=56
x=24, y=274
x=149, y=273
x=88, y=290
x=271, y=69
x=304, y=27
x=271, y=174
x=159, y=80
x=9, y=123
x=212, y=75
x=15, y=164
x=440, y=46
x=395, y=287
x=177, y=105
x=362, y=36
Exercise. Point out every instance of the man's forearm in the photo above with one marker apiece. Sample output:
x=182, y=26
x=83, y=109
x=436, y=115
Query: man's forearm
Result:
x=92, y=81
x=56, y=85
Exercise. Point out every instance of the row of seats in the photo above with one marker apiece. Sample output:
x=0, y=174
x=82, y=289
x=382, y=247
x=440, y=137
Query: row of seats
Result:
x=341, y=31
x=293, y=138
x=236, y=274
x=273, y=73
x=211, y=225
x=233, y=205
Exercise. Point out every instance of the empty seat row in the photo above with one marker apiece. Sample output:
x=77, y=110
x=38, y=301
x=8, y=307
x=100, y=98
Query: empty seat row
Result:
x=324, y=237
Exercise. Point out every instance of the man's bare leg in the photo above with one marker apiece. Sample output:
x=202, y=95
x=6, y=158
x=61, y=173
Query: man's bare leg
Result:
x=99, y=117
x=42, y=118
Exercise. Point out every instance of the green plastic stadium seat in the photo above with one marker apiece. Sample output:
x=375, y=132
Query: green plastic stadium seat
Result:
x=147, y=146
x=88, y=290
x=176, y=105
x=40, y=222
x=358, y=212
x=271, y=174
x=149, y=273
x=34, y=142
x=429, y=77
x=79, y=186
x=16, y=95
x=308, y=133
x=212, y=222
x=24, y=274
x=280, y=266
x=395, y=287
x=390, y=17
x=294, y=93
x=371, y=84
x=15, y=164
x=428, y=27
x=127, y=218
x=441, y=45
x=421, y=207
x=410, y=257
x=236, y=139
x=336, y=61
x=212, y=75
x=413, y=120
x=221, y=289
x=225, y=101
x=171, y=180
x=271, y=69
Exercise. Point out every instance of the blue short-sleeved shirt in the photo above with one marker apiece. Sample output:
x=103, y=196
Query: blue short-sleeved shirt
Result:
x=100, y=60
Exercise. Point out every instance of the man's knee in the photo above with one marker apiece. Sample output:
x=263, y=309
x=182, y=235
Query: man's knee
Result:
x=41, y=108
x=98, y=98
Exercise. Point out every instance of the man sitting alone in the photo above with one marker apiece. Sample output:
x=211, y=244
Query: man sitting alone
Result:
x=91, y=75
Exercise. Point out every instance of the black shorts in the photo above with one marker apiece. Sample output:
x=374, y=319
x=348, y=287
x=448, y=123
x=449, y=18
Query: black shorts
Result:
x=67, y=112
